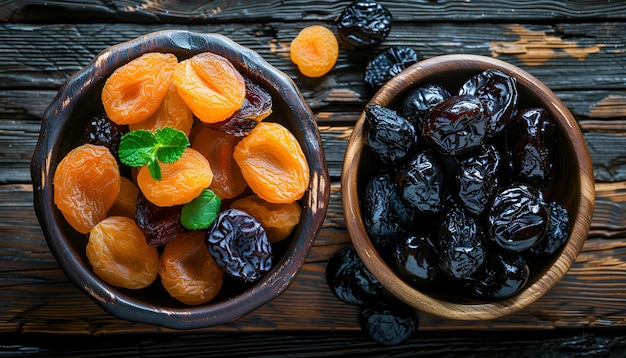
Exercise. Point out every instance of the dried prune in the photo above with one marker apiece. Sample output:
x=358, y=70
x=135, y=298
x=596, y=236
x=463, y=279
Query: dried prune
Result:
x=529, y=142
x=385, y=215
x=419, y=100
x=502, y=275
x=456, y=125
x=477, y=178
x=348, y=278
x=461, y=241
x=239, y=245
x=417, y=259
x=422, y=182
x=159, y=224
x=388, y=321
x=387, y=64
x=363, y=23
x=390, y=136
x=498, y=91
x=518, y=217
x=100, y=130
x=558, y=231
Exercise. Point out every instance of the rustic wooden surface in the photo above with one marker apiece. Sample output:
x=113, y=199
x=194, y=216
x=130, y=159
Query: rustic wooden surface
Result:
x=577, y=48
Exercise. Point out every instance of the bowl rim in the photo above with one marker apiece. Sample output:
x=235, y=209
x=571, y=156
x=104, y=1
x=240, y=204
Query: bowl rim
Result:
x=273, y=283
x=370, y=256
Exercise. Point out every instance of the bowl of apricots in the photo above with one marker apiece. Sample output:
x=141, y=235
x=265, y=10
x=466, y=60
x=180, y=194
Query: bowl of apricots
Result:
x=180, y=180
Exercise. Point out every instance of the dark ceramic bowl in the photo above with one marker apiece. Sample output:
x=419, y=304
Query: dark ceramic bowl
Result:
x=574, y=175
x=79, y=100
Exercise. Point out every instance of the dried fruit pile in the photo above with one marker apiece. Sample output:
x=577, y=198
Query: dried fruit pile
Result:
x=181, y=179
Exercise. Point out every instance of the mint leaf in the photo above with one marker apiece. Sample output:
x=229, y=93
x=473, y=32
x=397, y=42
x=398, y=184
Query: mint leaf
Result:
x=137, y=148
x=172, y=143
x=200, y=213
x=155, y=169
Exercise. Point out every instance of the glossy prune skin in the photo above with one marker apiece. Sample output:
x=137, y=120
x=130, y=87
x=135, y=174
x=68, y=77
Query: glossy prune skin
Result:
x=389, y=135
x=363, y=24
x=498, y=91
x=388, y=321
x=239, y=245
x=349, y=279
x=456, y=125
x=461, y=241
x=518, y=217
x=385, y=215
x=100, y=130
x=422, y=182
x=477, y=178
x=529, y=143
x=388, y=63
x=558, y=231
x=159, y=224
x=417, y=259
x=419, y=100
x=501, y=276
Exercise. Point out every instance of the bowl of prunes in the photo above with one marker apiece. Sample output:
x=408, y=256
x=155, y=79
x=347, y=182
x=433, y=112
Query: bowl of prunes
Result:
x=179, y=180
x=467, y=187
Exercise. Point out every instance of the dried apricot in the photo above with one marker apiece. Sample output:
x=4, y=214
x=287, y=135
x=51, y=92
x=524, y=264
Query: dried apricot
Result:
x=314, y=50
x=86, y=183
x=218, y=148
x=273, y=164
x=188, y=271
x=119, y=254
x=181, y=182
x=126, y=202
x=278, y=220
x=135, y=90
x=211, y=86
x=173, y=112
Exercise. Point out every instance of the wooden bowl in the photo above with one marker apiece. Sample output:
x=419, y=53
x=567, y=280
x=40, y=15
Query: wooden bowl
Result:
x=78, y=100
x=574, y=176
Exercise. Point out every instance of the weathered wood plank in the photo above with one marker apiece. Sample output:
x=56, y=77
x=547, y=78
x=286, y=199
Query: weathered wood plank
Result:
x=177, y=11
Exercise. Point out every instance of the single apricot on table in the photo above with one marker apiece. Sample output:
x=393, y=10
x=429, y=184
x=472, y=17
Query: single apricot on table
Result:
x=315, y=50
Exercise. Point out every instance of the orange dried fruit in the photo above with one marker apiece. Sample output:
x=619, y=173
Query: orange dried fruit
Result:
x=181, y=181
x=135, y=90
x=188, y=271
x=119, y=254
x=86, y=184
x=314, y=50
x=272, y=163
x=173, y=112
x=126, y=202
x=278, y=220
x=217, y=147
x=211, y=86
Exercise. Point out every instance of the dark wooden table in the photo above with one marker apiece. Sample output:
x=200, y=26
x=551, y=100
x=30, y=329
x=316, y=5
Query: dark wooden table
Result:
x=576, y=47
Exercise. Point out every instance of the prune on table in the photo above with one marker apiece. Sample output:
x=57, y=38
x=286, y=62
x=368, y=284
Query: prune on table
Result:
x=502, y=275
x=160, y=224
x=385, y=215
x=461, y=241
x=388, y=321
x=422, y=182
x=529, y=143
x=477, y=178
x=518, y=217
x=417, y=259
x=498, y=91
x=456, y=125
x=389, y=135
x=419, y=100
x=363, y=23
x=558, y=231
x=387, y=64
x=100, y=130
x=239, y=245
x=349, y=279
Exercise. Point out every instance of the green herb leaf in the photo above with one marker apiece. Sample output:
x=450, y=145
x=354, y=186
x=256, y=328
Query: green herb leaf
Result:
x=172, y=144
x=155, y=169
x=137, y=148
x=200, y=213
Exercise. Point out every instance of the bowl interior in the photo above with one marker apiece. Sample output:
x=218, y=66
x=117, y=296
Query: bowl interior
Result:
x=572, y=184
x=79, y=100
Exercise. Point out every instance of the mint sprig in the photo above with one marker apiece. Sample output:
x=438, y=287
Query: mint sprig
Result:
x=142, y=147
x=201, y=212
